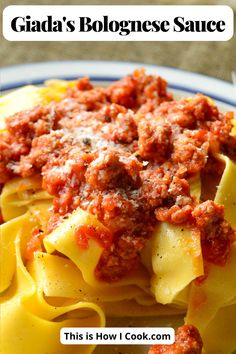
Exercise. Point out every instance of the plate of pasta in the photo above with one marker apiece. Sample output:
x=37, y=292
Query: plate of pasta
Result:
x=118, y=206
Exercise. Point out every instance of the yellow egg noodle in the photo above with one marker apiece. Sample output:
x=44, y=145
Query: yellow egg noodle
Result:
x=52, y=291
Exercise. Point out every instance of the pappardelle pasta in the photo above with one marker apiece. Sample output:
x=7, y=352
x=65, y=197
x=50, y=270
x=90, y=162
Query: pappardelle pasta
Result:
x=116, y=201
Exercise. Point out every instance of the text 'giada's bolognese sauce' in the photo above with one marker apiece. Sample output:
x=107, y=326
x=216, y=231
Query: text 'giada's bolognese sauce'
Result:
x=124, y=153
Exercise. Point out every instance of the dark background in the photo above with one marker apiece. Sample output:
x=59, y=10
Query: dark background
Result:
x=216, y=59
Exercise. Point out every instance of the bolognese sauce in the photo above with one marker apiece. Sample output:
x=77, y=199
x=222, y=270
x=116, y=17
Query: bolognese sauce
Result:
x=125, y=154
x=187, y=341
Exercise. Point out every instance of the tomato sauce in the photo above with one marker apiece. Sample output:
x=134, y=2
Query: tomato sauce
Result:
x=34, y=244
x=125, y=154
x=187, y=341
x=85, y=232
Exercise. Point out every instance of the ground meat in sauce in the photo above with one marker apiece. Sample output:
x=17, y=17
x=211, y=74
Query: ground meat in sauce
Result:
x=187, y=341
x=216, y=233
x=125, y=154
x=138, y=91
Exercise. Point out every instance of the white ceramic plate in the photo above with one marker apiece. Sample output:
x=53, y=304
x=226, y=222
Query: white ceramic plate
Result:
x=181, y=83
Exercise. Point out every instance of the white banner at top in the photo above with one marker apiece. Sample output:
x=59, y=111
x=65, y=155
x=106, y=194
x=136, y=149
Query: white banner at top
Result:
x=118, y=23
